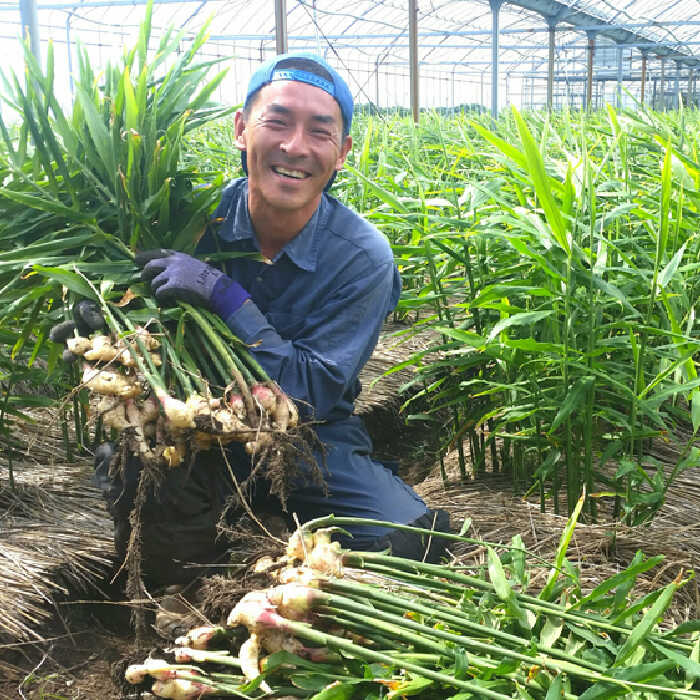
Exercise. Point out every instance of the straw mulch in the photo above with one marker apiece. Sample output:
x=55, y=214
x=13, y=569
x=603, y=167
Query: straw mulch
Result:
x=55, y=535
x=382, y=392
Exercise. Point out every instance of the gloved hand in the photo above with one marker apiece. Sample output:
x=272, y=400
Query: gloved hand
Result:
x=177, y=276
x=87, y=318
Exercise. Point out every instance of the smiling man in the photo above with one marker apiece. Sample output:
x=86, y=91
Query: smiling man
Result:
x=306, y=283
x=295, y=139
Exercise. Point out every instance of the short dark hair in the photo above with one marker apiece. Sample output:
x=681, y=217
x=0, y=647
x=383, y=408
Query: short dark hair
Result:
x=304, y=64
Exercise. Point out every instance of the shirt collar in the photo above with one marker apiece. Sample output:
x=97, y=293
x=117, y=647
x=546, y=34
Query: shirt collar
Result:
x=302, y=250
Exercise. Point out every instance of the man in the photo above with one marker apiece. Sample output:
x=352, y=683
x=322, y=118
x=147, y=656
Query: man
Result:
x=310, y=305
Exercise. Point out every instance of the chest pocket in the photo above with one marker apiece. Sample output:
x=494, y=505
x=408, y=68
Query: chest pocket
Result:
x=288, y=325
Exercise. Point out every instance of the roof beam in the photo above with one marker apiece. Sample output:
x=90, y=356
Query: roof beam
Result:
x=580, y=20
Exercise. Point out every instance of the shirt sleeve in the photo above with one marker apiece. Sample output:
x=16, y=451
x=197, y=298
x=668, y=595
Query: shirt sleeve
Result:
x=318, y=367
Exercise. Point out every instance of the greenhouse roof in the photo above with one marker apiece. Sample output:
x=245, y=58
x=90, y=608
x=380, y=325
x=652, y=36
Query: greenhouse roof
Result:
x=370, y=37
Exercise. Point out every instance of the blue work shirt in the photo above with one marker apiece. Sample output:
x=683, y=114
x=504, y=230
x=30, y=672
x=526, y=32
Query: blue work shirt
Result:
x=312, y=322
x=318, y=306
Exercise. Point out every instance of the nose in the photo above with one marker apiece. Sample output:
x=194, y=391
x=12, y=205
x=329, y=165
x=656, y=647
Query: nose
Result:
x=295, y=142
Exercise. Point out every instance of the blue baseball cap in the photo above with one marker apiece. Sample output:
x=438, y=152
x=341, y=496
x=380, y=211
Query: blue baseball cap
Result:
x=336, y=87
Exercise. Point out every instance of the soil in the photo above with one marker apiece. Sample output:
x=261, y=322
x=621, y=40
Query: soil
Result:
x=79, y=659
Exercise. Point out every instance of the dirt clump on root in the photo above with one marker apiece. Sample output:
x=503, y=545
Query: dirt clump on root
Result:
x=277, y=465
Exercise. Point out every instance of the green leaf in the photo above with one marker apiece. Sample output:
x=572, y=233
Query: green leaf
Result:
x=527, y=318
x=461, y=663
x=75, y=282
x=695, y=409
x=415, y=686
x=542, y=184
x=551, y=631
x=131, y=109
x=384, y=194
x=336, y=691
x=666, y=190
x=466, y=524
x=508, y=149
x=641, y=673
x=684, y=628
x=518, y=559
x=672, y=267
x=555, y=691
x=690, y=666
x=504, y=591
x=630, y=573
x=574, y=400
x=498, y=576
x=564, y=540
x=643, y=628
x=470, y=339
x=46, y=204
x=100, y=137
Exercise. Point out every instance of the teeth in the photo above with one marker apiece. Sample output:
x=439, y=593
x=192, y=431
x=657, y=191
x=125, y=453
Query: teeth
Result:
x=297, y=174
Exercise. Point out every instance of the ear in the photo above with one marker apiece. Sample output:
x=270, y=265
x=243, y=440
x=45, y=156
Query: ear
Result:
x=239, y=130
x=344, y=150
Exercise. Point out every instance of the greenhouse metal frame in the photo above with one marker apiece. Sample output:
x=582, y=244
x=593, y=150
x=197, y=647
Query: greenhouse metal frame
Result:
x=415, y=54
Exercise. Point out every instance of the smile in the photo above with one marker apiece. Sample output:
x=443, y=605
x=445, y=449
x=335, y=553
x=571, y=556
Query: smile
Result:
x=294, y=174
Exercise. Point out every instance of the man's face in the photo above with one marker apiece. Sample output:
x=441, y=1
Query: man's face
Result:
x=293, y=138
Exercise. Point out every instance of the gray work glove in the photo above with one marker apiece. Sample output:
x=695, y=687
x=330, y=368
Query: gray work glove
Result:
x=177, y=276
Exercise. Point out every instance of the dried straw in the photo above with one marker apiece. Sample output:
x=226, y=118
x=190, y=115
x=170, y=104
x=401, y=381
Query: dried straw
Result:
x=55, y=535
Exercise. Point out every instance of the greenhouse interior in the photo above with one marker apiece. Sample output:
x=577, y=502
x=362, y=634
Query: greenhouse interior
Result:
x=532, y=54
x=350, y=351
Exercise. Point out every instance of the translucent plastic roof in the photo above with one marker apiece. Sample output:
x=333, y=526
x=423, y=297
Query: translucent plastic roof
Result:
x=368, y=39
x=675, y=21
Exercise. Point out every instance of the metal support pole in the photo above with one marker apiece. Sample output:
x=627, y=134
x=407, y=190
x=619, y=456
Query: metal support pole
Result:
x=645, y=55
x=452, y=85
x=495, y=51
x=589, y=82
x=691, y=73
x=662, y=87
x=413, y=57
x=281, y=26
x=550, y=66
x=69, y=50
x=619, y=76
x=376, y=83
x=653, y=95
x=30, y=26
x=318, y=37
x=679, y=97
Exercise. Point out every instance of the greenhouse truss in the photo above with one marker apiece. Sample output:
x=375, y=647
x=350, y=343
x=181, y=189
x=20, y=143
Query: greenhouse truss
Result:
x=487, y=53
